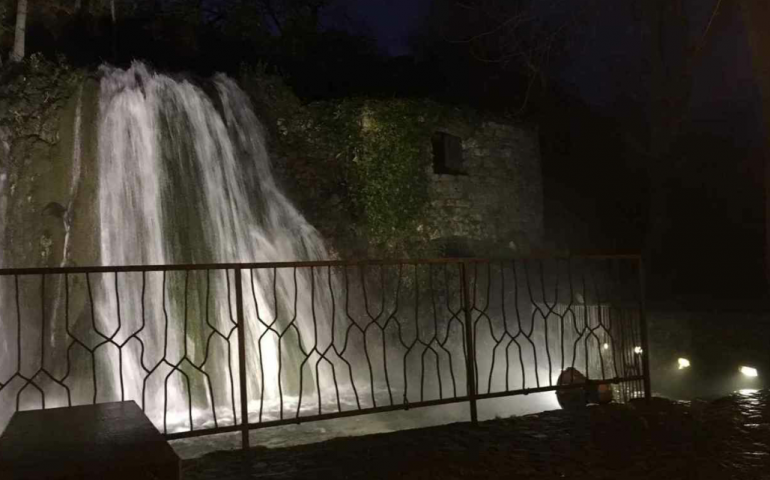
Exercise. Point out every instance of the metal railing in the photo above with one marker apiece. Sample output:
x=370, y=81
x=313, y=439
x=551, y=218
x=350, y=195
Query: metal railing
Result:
x=316, y=340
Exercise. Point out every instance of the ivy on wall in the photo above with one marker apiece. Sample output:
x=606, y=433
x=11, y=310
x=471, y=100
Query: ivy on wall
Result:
x=382, y=151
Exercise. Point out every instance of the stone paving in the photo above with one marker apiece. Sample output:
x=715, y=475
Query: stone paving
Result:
x=722, y=439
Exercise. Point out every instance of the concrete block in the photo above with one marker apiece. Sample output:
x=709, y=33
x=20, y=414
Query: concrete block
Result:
x=103, y=441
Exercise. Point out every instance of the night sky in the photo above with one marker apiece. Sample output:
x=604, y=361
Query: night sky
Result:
x=593, y=70
x=389, y=21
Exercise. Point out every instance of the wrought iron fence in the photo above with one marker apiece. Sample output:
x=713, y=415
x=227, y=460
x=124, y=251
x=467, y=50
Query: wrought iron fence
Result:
x=316, y=340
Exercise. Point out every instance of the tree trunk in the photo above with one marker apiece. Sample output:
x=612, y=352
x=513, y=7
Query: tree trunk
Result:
x=669, y=92
x=756, y=15
x=20, y=33
x=114, y=31
x=673, y=57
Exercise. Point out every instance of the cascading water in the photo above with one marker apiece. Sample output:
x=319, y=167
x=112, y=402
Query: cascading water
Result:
x=182, y=181
x=181, y=175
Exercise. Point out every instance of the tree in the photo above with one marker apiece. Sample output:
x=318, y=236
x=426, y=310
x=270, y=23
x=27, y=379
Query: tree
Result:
x=756, y=14
x=270, y=16
x=54, y=7
x=515, y=38
x=3, y=27
x=674, y=39
x=20, y=31
x=289, y=13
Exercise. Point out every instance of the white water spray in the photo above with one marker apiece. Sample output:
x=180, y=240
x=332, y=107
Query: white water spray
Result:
x=181, y=181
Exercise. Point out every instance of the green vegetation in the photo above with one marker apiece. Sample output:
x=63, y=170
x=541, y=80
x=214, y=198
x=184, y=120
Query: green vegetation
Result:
x=382, y=151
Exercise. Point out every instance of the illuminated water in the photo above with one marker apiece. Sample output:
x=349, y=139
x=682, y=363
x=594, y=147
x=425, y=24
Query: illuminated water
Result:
x=184, y=177
x=182, y=181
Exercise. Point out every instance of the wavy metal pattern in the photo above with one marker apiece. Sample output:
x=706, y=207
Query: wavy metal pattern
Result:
x=385, y=336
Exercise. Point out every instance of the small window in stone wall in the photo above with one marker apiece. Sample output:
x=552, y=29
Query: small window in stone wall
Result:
x=447, y=154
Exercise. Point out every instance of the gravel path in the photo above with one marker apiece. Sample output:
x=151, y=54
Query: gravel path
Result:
x=723, y=439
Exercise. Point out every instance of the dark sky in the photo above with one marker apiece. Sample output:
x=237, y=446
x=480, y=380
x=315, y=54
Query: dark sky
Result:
x=389, y=21
x=597, y=66
x=597, y=72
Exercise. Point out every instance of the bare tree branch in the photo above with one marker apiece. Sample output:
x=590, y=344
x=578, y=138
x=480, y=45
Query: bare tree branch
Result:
x=704, y=37
x=515, y=18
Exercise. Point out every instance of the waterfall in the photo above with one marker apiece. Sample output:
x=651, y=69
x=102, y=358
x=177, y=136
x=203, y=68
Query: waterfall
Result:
x=181, y=174
x=185, y=177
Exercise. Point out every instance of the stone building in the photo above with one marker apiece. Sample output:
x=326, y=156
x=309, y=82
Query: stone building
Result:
x=486, y=189
x=484, y=180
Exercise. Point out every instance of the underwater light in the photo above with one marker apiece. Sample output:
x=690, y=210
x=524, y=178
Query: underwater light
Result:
x=638, y=350
x=749, y=371
x=683, y=363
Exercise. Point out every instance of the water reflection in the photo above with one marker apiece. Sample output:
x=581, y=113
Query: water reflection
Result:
x=747, y=391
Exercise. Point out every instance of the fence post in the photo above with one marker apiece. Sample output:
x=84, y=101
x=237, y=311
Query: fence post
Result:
x=470, y=357
x=644, y=332
x=242, y=360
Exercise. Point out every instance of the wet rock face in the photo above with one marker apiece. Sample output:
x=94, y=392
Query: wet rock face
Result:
x=55, y=209
x=35, y=157
x=5, y=146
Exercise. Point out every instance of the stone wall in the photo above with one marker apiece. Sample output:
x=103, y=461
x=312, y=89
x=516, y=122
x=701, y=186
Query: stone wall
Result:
x=491, y=205
x=496, y=202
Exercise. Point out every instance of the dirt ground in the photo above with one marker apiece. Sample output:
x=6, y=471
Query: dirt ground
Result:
x=722, y=439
